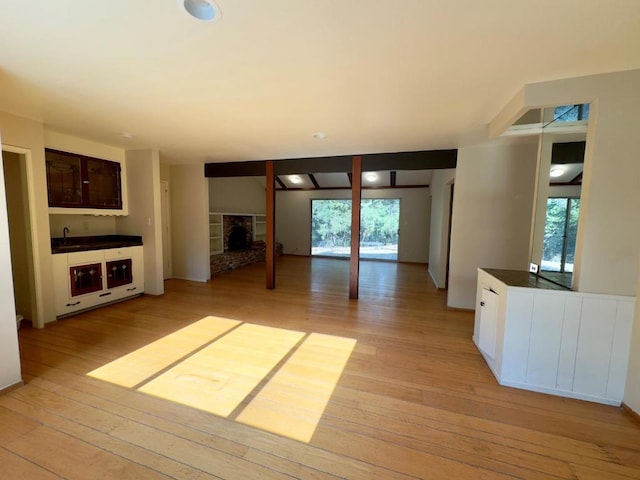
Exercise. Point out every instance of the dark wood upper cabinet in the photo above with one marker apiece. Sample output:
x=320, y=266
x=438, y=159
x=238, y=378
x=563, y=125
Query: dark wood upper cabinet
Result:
x=78, y=181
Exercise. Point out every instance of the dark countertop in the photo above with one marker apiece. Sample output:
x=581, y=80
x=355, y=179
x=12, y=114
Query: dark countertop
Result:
x=521, y=278
x=98, y=242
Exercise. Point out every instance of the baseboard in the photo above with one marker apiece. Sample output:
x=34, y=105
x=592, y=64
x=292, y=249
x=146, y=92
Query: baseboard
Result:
x=458, y=309
x=11, y=387
x=635, y=415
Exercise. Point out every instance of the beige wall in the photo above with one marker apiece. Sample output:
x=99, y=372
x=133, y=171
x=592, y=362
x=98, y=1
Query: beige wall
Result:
x=237, y=195
x=293, y=219
x=440, y=188
x=492, y=207
x=81, y=225
x=190, y=223
x=145, y=217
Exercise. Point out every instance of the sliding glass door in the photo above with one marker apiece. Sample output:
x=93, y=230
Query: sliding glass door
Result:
x=331, y=228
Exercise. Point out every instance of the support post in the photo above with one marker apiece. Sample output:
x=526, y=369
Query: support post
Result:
x=271, y=226
x=356, y=197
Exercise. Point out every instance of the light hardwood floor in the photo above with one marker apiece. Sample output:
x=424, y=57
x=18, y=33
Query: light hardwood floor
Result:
x=415, y=400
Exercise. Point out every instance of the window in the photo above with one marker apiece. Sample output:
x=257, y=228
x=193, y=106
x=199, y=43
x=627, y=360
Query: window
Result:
x=571, y=113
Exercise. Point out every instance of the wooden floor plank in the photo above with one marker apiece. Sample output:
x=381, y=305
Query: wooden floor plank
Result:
x=415, y=399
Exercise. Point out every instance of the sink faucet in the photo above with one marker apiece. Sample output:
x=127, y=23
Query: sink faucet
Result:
x=65, y=231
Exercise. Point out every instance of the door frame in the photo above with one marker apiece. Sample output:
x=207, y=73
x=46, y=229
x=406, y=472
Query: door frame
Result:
x=165, y=212
x=38, y=310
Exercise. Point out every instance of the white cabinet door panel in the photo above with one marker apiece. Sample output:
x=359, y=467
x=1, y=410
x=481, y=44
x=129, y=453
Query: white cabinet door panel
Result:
x=594, y=346
x=516, y=335
x=569, y=342
x=544, y=342
x=488, y=322
x=620, y=350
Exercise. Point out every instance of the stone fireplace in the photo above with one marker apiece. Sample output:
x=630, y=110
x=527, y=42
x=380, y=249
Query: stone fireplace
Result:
x=237, y=232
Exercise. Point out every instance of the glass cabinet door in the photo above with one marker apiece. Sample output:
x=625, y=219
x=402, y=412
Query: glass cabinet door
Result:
x=64, y=179
x=85, y=279
x=119, y=272
x=103, y=179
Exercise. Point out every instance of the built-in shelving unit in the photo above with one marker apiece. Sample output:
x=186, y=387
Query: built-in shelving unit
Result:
x=259, y=227
x=216, y=242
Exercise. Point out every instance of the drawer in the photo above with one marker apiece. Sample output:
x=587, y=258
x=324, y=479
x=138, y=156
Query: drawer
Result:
x=115, y=253
x=91, y=256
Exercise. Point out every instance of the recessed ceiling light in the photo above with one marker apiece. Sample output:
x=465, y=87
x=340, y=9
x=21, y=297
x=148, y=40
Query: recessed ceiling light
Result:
x=128, y=135
x=319, y=135
x=371, y=176
x=556, y=172
x=295, y=179
x=203, y=10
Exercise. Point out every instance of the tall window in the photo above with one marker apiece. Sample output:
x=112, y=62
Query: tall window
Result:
x=379, y=223
x=560, y=230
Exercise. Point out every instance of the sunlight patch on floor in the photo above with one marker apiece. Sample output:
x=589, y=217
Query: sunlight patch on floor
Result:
x=216, y=363
x=293, y=401
x=221, y=376
x=138, y=366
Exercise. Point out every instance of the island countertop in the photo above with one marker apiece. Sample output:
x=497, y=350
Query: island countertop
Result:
x=521, y=278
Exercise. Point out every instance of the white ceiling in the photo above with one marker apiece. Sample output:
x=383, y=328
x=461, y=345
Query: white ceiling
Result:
x=375, y=76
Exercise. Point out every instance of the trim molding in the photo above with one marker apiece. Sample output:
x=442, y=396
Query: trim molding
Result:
x=635, y=415
x=457, y=309
x=11, y=387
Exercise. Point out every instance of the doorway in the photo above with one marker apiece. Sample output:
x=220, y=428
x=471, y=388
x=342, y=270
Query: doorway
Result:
x=20, y=234
x=379, y=228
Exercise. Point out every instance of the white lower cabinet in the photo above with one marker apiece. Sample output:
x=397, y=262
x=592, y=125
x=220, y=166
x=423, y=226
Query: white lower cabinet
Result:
x=560, y=342
x=91, y=278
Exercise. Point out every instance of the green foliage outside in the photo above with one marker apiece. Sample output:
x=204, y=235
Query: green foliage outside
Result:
x=331, y=222
x=554, y=229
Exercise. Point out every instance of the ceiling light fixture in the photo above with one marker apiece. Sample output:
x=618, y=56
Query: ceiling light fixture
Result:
x=371, y=176
x=556, y=172
x=295, y=179
x=319, y=135
x=128, y=135
x=203, y=10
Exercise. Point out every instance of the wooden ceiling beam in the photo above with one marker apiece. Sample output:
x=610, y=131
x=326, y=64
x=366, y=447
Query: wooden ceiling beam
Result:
x=313, y=180
x=281, y=183
x=422, y=160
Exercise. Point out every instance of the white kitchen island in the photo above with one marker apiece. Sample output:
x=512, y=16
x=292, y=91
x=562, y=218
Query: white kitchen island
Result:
x=542, y=337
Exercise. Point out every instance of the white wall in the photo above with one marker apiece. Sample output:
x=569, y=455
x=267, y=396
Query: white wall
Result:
x=440, y=188
x=492, y=208
x=9, y=356
x=145, y=216
x=190, y=223
x=237, y=195
x=608, y=243
x=632, y=391
x=293, y=219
